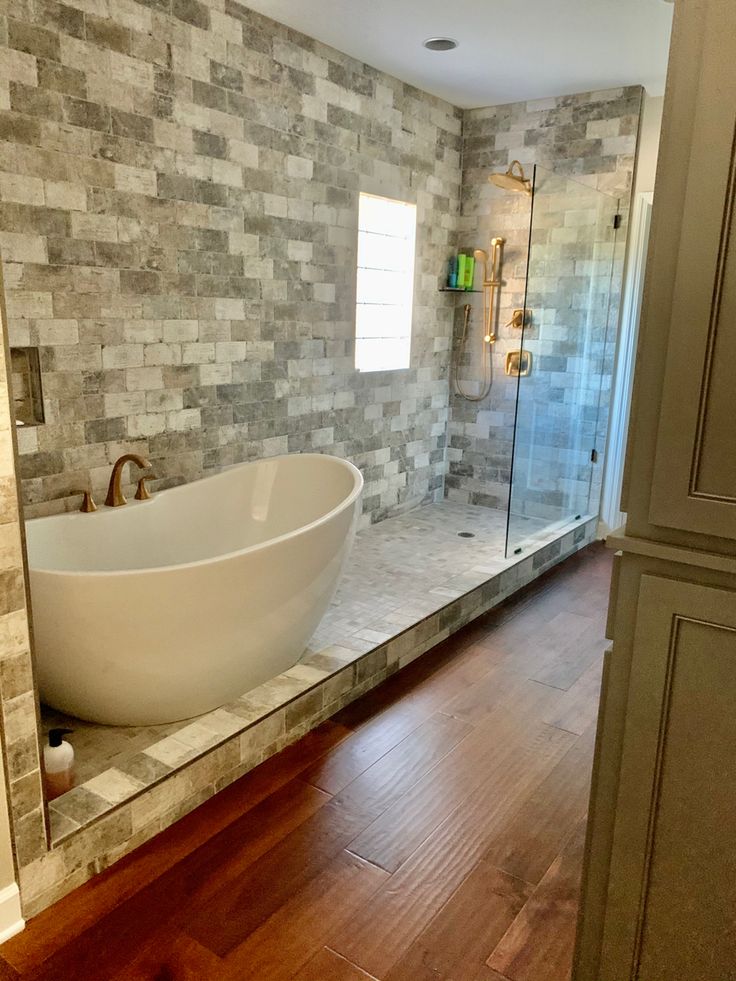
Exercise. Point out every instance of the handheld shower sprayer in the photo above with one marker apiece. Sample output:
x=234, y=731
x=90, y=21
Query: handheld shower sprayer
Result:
x=491, y=267
x=481, y=257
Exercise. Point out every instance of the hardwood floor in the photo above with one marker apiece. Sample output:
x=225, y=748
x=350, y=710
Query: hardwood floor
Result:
x=431, y=831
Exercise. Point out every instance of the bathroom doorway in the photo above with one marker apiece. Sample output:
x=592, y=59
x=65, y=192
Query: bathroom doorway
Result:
x=623, y=380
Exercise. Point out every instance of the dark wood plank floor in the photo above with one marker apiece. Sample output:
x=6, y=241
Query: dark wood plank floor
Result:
x=431, y=831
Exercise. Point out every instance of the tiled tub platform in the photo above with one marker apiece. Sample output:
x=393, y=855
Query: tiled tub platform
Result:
x=411, y=582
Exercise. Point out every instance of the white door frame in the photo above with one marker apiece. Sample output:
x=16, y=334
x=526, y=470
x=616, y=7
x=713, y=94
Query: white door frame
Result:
x=611, y=516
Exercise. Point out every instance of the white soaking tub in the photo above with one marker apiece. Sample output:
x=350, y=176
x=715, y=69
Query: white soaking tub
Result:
x=167, y=608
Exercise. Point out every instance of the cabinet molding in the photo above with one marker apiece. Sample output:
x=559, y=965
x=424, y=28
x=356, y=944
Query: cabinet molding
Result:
x=672, y=887
x=648, y=548
x=694, y=485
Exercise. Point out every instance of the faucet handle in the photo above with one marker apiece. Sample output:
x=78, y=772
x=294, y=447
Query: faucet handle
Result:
x=142, y=493
x=88, y=504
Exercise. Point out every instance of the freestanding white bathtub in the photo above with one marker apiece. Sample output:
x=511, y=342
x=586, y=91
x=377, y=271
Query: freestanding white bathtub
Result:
x=168, y=608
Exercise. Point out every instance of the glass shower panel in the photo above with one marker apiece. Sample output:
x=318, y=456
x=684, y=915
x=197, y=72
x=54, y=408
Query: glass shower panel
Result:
x=561, y=359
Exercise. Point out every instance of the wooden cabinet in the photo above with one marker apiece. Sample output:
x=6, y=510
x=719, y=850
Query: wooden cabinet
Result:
x=694, y=484
x=659, y=885
x=672, y=887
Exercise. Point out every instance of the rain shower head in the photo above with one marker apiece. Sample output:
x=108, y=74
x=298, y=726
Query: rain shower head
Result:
x=511, y=181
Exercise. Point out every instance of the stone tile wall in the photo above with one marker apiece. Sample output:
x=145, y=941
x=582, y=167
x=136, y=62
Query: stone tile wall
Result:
x=592, y=138
x=178, y=223
x=178, y=192
x=18, y=703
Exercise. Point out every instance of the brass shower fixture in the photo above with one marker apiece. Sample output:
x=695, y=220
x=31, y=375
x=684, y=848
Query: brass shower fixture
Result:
x=491, y=266
x=520, y=318
x=510, y=181
x=491, y=285
x=514, y=179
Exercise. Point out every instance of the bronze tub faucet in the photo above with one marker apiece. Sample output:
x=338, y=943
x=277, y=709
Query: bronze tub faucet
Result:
x=115, y=496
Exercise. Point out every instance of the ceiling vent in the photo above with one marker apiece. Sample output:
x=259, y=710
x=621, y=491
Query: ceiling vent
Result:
x=440, y=43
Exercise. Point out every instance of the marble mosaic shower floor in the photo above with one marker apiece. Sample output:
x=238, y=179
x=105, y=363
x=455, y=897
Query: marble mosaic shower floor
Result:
x=400, y=572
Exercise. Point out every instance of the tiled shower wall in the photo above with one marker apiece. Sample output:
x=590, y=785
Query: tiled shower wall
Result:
x=178, y=211
x=591, y=137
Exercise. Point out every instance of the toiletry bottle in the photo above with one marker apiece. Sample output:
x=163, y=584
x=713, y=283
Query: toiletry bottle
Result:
x=58, y=763
x=452, y=277
x=461, y=260
x=469, y=272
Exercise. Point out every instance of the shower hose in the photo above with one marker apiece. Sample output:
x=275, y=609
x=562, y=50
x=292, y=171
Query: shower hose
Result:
x=487, y=362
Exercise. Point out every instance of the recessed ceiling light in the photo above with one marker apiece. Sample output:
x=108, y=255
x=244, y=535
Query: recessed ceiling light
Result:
x=440, y=43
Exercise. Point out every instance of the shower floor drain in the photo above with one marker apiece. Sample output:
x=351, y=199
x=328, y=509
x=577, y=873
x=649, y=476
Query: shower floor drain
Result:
x=465, y=534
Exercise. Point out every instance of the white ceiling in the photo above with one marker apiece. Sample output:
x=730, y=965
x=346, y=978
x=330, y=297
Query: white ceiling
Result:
x=510, y=50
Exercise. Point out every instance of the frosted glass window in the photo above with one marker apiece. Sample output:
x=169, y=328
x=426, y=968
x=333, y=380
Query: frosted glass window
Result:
x=387, y=231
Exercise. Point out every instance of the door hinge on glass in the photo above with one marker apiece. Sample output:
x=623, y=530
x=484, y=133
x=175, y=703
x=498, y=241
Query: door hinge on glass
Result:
x=594, y=456
x=617, y=221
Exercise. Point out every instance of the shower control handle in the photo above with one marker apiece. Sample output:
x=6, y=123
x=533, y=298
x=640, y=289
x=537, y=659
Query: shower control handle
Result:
x=88, y=504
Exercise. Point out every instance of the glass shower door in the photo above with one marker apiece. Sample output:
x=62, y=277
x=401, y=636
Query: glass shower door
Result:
x=563, y=356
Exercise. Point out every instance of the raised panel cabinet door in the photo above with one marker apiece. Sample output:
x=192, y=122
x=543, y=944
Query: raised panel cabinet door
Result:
x=671, y=906
x=694, y=486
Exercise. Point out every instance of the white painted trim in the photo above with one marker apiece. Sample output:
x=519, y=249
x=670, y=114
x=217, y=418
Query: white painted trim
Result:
x=11, y=918
x=621, y=542
x=603, y=530
x=623, y=380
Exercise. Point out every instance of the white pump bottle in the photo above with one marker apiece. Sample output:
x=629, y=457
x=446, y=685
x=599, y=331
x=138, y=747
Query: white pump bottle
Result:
x=58, y=763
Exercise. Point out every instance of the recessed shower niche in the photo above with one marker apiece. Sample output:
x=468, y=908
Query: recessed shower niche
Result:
x=25, y=380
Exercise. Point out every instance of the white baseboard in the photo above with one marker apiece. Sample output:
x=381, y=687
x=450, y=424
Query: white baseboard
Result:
x=602, y=531
x=11, y=918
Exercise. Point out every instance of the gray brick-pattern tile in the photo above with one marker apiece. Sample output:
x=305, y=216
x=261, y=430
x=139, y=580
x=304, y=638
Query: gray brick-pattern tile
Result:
x=590, y=138
x=178, y=212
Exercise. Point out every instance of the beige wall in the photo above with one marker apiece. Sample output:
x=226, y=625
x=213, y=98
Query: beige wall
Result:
x=651, y=128
x=644, y=181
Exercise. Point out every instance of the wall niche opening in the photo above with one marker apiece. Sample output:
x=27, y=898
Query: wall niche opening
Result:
x=25, y=380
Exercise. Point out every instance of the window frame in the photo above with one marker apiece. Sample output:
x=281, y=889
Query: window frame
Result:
x=410, y=271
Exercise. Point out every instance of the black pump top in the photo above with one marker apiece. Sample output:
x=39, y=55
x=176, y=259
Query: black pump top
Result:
x=56, y=736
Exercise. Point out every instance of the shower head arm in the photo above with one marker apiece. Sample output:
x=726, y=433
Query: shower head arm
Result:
x=521, y=175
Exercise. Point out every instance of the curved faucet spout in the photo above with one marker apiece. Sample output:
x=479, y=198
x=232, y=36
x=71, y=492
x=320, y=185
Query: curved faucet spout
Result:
x=115, y=496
